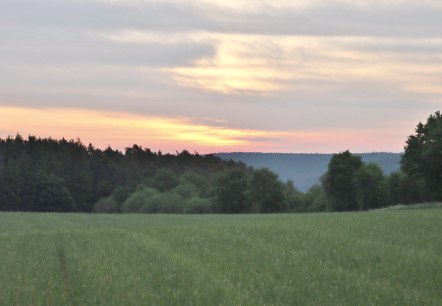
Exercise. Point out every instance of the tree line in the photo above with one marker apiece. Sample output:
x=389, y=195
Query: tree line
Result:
x=45, y=174
x=349, y=184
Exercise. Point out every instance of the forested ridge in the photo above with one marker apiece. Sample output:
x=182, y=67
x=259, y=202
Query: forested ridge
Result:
x=45, y=174
x=306, y=169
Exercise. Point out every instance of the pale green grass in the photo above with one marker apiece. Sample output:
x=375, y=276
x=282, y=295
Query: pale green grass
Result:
x=414, y=206
x=371, y=258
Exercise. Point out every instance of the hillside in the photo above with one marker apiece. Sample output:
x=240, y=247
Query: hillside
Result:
x=306, y=169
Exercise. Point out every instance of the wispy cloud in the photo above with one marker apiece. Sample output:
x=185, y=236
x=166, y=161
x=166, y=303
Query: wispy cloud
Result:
x=256, y=66
x=174, y=134
x=259, y=64
x=124, y=129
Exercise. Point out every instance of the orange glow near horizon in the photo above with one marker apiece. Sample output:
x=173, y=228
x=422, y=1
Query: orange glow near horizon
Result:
x=123, y=129
x=120, y=130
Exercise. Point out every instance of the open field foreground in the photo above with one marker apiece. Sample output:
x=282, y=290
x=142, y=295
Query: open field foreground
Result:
x=370, y=258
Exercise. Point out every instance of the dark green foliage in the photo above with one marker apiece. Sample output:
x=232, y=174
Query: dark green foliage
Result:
x=140, y=200
x=198, y=181
x=64, y=175
x=339, y=181
x=20, y=180
x=2, y=162
x=74, y=166
x=114, y=202
x=60, y=175
x=266, y=192
x=306, y=169
x=52, y=194
x=107, y=174
x=168, y=202
x=164, y=180
x=120, y=194
x=17, y=184
x=186, y=191
x=106, y=205
x=315, y=200
x=350, y=185
x=295, y=200
x=371, y=187
x=230, y=192
x=182, y=199
x=404, y=189
x=198, y=205
x=423, y=155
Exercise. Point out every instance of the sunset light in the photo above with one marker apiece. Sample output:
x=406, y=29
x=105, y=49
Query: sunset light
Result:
x=220, y=152
x=124, y=129
x=209, y=76
x=120, y=130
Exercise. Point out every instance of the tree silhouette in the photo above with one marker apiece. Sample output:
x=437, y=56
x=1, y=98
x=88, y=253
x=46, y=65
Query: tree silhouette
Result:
x=423, y=155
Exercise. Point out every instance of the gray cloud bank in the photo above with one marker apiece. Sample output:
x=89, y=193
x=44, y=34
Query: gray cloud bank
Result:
x=387, y=18
x=60, y=53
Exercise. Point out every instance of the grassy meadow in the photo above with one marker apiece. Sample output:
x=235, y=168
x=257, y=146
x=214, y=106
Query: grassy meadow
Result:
x=385, y=257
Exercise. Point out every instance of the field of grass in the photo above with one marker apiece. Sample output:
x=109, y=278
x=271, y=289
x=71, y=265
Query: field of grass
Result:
x=371, y=258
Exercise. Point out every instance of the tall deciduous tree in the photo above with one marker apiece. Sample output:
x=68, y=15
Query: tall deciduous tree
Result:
x=230, y=192
x=266, y=192
x=339, y=181
x=371, y=187
x=423, y=154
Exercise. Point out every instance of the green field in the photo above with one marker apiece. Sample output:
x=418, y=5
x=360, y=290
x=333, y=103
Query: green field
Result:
x=369, y=258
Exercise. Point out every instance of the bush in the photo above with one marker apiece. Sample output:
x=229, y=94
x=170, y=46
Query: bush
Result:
x=120, y=194
x=106, y=205
x=198, y=205
x=295, y=200
x=167, y=202
x=139, y=199
x=198, y=181
x=185, y=191
x=316, y=199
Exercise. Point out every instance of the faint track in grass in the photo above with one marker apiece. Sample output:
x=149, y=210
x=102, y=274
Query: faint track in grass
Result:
x=61, y=256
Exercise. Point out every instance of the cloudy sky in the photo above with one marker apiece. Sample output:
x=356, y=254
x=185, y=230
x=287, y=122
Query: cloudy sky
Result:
x=221, y=75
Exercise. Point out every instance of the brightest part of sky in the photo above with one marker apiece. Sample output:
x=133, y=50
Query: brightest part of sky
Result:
x=219, y=76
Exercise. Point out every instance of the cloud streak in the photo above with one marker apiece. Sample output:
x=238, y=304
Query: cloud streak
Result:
x=282, y=67
x=173, y=134
x=124, y=129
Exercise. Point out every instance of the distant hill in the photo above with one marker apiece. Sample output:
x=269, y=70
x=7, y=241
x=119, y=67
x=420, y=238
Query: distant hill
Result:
x=306, y=169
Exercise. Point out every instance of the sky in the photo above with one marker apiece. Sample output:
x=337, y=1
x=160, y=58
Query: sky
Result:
x=301, y=76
